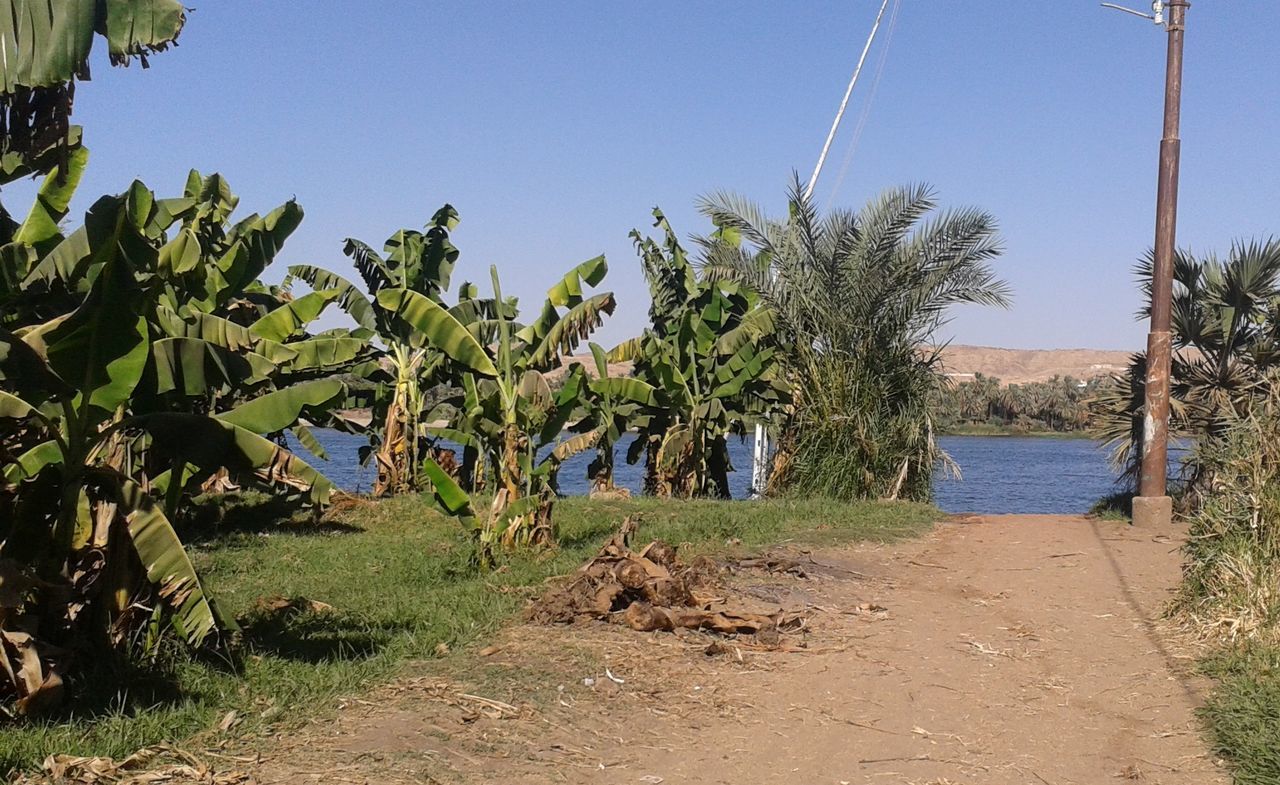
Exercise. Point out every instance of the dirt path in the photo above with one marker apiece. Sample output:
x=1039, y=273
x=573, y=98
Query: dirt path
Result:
x=1017, y=649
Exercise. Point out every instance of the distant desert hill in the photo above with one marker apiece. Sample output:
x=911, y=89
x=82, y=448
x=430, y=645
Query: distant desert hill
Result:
x=1010, y=366
x=1017, y=366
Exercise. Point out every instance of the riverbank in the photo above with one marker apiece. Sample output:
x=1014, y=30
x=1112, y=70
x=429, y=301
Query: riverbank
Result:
x=1007, y=430
x=334, y=608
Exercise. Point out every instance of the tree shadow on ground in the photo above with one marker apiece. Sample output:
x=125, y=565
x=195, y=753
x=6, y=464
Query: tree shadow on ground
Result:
x=211, y=518
x=306, y=631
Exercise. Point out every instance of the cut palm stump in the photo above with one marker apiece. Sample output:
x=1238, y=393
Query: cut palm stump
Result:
x=648, y=590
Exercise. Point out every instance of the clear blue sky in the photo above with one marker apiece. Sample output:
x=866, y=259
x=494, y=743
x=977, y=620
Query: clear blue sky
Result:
x=554, y=127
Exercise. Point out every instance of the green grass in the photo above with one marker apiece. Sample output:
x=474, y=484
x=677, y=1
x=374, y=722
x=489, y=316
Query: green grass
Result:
x=401, y=583
x=1117, y=506
x=1243, y=712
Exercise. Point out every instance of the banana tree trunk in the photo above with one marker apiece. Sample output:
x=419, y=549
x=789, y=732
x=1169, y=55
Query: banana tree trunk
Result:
x=393, y=452
x=718, y=469
x=652, y=476
x=533, y=527
x=473, y=470
x=602, y=469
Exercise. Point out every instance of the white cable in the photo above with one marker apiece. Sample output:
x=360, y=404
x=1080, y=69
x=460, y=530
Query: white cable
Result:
x=844, y=103
x=866, y=108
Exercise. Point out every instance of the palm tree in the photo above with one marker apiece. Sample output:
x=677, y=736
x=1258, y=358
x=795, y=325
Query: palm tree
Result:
x=859, y=297
x=1226, y=340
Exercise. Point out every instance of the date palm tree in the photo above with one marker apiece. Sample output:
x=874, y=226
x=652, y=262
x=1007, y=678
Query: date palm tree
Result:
x=859, y=298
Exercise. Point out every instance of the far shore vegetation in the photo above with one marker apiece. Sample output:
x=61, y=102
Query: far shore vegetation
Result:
x=985, y=406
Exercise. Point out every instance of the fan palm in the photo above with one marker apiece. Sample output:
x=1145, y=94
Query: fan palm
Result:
x=1226, y=339
x=859, y=298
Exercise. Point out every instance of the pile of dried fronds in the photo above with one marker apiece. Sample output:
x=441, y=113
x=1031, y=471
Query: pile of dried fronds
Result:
x=647, y=590
x=1231, y=586
x=160, y=765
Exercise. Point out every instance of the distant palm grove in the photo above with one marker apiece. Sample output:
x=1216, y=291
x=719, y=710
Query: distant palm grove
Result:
x=1062, y=404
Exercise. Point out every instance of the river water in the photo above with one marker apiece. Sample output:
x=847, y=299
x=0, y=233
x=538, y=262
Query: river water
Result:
x=1001, y=474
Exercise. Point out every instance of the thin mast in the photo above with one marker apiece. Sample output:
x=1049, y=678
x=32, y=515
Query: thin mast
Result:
x=844, y=103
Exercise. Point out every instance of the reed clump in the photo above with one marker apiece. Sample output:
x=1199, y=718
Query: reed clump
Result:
x=1231, y=586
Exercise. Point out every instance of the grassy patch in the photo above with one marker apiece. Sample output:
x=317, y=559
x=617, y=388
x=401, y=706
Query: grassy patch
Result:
x=1243, y=714
x=400, y=583
x=1117, y=506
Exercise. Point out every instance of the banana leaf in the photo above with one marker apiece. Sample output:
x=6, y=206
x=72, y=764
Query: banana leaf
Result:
x=289, y=319
x=567, y=292
x=349, y=298
x=566, y=332
x=197, y=368
x=211, y=443
x=308, y=440
x=436, y=327
x=33, y=461
x=278, y=410
x=53, y=201
x=166, y=562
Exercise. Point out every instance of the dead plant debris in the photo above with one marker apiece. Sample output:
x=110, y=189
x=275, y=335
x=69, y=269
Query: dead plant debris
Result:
x=158, y=765
x=650, y=590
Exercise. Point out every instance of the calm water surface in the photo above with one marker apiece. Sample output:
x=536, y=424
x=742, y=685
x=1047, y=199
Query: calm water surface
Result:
x=1024, y=474
x=1001, y=474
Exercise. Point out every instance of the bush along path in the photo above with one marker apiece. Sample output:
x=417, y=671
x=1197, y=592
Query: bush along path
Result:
x=996, y=650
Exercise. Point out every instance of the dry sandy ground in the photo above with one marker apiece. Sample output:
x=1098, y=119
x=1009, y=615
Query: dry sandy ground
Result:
x=1010, y=650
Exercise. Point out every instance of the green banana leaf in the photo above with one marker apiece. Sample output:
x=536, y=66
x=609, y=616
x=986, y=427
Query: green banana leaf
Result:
x=629, y=350
x=324, y=352
x=166, y=562
x=752, y=328
x=196, y=368
x=308, y=440
x=33, y=461
x=626, y=388
x=438, y=328
x=570, y=447
x=289, y=319
x=278, y=410
x=449, y=495
x=211, y=443
x=182, y=253
x=11, y=406
x=563, y=335
x=567, y=292
x=53, y=201
x=349, y=298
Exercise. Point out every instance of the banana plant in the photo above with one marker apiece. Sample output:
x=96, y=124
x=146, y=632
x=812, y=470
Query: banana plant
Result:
x=48, y=44
x=709, y=357
x=229, y=338
x=426, y=344
x=610, y=406
x=91, y=439
x=512, y=417
x=221, y=338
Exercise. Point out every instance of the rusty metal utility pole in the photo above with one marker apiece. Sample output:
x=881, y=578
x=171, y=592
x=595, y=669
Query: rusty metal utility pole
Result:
x=1152, y=505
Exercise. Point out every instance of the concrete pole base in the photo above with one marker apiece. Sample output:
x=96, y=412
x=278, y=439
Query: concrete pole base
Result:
x=1152, y=512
